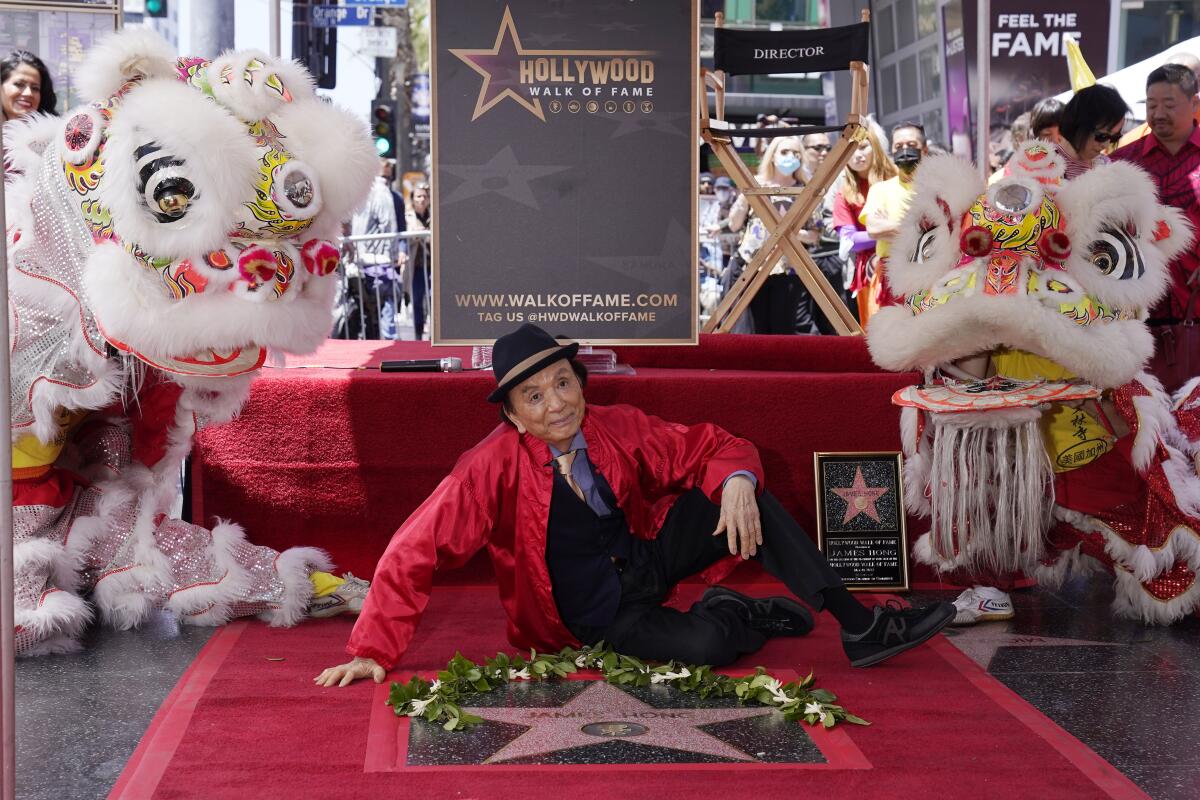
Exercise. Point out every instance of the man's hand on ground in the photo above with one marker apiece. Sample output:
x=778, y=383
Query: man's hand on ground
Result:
x=739, y=517
x=345, y=674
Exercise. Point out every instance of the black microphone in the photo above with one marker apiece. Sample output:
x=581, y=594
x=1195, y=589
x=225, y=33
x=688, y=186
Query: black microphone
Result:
x=452, y=364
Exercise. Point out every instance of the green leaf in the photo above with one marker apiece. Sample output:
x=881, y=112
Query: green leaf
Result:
x=464, y=677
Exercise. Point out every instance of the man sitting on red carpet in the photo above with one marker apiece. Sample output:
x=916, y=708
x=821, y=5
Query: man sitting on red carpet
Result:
x=592, y=515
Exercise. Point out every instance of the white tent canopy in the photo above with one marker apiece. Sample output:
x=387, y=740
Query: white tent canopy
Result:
x=1131, y=81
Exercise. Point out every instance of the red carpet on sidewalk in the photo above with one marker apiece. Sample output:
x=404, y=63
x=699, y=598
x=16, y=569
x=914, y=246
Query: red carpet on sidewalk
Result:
x=246, y=721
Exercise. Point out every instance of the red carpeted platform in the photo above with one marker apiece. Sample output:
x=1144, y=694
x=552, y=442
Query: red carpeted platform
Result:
x=332, y=455
x=246, y=721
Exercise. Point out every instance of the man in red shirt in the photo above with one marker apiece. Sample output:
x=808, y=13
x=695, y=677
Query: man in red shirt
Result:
x=1171, y=154
x=591, y=515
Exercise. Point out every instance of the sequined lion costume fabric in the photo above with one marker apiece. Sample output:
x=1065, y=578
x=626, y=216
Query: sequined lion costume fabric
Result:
x=161, y=239
x=1038, y=443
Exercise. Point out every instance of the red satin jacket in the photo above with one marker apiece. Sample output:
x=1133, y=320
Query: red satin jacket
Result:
x=498, y=496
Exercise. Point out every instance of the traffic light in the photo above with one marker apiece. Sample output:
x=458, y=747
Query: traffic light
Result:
x=156, y=8
x=383, y=128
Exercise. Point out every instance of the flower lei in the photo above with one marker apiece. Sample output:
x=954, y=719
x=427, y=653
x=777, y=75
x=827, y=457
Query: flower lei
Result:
x=440, y=700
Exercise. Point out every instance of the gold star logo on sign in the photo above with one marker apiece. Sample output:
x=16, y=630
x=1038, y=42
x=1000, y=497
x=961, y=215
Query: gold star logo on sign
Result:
x=509, y=70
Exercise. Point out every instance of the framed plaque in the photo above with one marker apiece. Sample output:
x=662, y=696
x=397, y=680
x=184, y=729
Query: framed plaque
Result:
x=860, y=519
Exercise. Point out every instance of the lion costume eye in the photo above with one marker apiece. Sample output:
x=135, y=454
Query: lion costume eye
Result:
x=1116, y=255
x=161, y=183
x=925, y=246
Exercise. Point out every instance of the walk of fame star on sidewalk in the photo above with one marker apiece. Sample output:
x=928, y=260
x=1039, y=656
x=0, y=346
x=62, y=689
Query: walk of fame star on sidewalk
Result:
x=981, y=642
x=860, y=498
x=602, y=712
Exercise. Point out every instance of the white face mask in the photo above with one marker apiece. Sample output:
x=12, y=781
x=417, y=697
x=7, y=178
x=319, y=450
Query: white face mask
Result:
x=723, y=195
x=786, y=163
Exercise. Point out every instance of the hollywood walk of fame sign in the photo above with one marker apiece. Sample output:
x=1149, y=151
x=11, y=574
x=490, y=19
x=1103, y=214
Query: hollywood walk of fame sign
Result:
x=593, y=722
x=565, y=159
x=860, y=519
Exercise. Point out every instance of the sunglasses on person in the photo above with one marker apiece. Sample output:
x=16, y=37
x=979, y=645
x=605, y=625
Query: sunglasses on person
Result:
x=820, y=148
x=1104, y=137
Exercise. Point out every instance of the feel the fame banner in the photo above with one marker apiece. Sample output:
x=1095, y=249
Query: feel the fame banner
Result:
x=564, y=169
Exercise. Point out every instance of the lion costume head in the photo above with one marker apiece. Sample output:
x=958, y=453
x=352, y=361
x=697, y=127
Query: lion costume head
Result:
x=1062, y=269
x=184, y=216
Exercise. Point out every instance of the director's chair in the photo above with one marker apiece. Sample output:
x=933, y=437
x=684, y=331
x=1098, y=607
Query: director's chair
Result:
x=765, y=52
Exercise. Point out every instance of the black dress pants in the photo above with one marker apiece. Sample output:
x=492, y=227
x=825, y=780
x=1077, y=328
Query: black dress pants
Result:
x=644, y=628
x=778, y=305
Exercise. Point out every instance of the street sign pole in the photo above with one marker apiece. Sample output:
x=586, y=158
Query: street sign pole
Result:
x=273, y=24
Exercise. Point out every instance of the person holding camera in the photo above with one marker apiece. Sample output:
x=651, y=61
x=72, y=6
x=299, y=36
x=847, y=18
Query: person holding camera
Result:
x=887, y=200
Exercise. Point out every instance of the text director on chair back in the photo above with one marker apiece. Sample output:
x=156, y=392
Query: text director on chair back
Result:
x=756, y=52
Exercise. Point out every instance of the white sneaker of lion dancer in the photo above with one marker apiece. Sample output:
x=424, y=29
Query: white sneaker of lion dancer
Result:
x=982, y=604
x=346, y=599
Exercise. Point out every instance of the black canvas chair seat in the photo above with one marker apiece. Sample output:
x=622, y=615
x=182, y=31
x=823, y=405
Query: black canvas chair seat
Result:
x=775, y=133
x=740, y=52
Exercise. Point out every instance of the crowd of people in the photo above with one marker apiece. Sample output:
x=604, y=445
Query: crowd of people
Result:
x=387, y=265
x=850, y=234
x=846, y=235
x=386, y=273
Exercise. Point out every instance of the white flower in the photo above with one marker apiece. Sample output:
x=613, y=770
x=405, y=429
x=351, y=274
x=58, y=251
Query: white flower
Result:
x=437, y=684
x=814, y=708
x=518, y=674
x=581, y=660
x=663, y=677
x=418, y=706
x=775, y=687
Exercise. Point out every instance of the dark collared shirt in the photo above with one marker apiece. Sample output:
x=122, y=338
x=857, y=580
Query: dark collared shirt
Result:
x=1177, y=178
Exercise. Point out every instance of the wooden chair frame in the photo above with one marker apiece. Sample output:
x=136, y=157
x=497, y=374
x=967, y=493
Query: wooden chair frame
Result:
x=783, y=239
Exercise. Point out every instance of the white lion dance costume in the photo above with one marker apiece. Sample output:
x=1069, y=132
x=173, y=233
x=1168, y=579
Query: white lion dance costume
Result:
x=161, y=239
x=1065, y=455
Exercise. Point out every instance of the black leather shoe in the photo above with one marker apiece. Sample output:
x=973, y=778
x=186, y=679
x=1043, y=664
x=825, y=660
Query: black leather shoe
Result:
x=895, y=630
x=773, y=616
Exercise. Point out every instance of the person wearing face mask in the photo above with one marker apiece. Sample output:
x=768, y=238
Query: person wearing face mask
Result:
x=868, y=165
x=25, y=86
x=714, y=221
x=1171, y=154
x=779, y=307
x=887, y=200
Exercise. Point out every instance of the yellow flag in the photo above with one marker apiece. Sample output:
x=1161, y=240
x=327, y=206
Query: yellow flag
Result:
x=1081, y=74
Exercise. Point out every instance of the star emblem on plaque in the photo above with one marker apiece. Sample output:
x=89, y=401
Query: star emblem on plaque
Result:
x=593, y=722
x=861, y=520
x=512, y=71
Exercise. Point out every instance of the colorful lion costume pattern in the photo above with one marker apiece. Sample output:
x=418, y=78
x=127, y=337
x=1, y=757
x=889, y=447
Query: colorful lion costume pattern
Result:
x=161, y=239
x=1064, y=455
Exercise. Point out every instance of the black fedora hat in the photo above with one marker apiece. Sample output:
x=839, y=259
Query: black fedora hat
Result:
x=519, y=354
